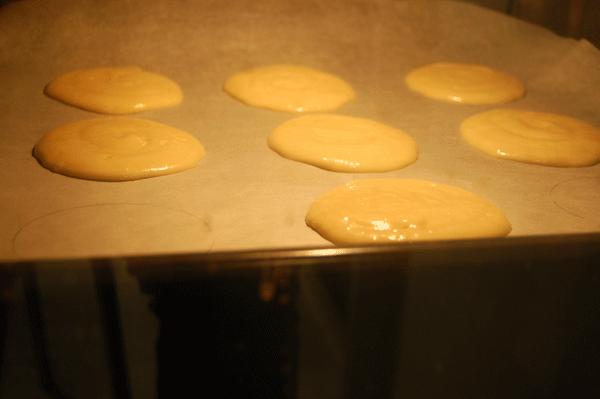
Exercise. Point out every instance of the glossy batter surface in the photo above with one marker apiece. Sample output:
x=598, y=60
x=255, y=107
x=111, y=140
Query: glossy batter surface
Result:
x=533, y=137
x=117, y=149
x=119, y=90
x=392, y=210
x=289, y=88
x=343, y=143
x=465, y=83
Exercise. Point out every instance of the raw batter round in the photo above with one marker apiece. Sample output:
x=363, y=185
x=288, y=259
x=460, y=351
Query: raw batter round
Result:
x=343, y=143
x=533, y=137
x=123, y=90
x=117, y=149
x=289, y=88
x=465, y=83
x=392, y=210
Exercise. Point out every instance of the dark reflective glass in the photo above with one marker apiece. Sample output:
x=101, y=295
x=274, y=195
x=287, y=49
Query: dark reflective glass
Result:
x=516, y=318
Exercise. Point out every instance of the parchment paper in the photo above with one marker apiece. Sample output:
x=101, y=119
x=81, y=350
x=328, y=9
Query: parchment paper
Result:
x=243, y=195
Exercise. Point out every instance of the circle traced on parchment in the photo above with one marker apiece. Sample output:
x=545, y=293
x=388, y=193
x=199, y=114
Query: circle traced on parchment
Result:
x=112, y=229
x=579, y=197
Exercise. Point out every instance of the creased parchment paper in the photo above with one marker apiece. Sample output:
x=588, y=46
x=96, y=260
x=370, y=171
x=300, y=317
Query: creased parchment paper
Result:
x=243, y=195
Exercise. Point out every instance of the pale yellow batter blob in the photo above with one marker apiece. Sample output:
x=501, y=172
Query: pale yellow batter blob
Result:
x=465, y=83
x=393, y=210
x=289, y=88
x=123, y=90
x=343, y=143
x=117, y=149
x=533, y=137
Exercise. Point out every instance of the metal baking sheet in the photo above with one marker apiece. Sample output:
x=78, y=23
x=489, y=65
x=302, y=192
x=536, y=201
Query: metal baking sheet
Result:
x=243, y=195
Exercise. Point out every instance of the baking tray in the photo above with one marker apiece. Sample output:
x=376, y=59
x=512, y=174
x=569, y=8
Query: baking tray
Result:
x=243, y=196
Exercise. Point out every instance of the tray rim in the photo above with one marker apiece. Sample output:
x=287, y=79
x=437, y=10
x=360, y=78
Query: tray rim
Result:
x=506, y=249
